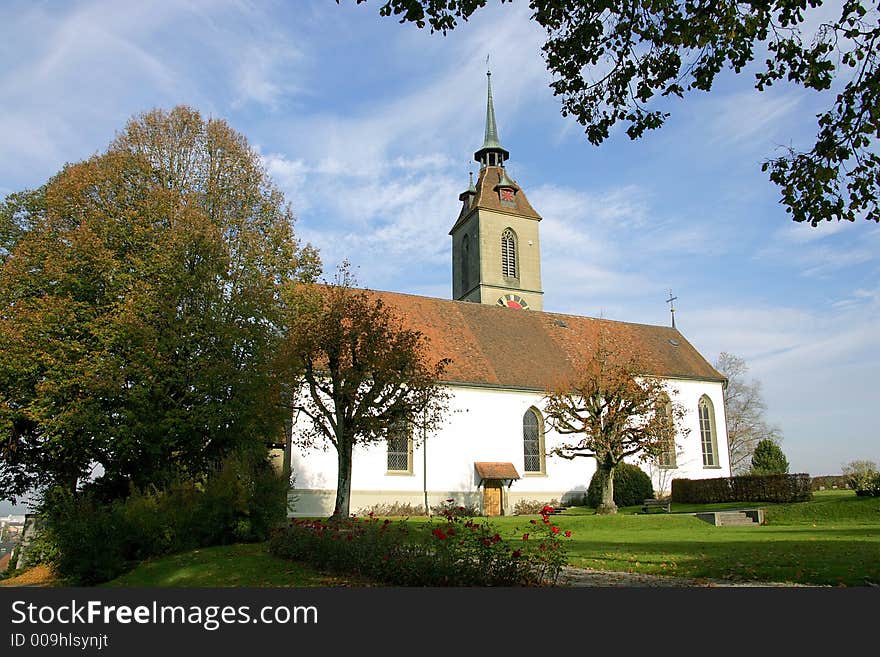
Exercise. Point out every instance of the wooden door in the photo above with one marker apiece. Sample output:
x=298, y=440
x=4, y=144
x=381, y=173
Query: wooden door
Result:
x=492, y=498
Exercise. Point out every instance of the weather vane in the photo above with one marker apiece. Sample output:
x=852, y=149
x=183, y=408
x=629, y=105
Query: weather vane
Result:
x=671, y=306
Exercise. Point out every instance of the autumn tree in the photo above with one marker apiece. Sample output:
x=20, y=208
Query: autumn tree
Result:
x=745, y=411
x=141, y=310
x=624, y=62
x=364, y=373
x=614, y=410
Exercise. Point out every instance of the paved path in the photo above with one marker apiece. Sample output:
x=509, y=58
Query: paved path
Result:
x=583, y=577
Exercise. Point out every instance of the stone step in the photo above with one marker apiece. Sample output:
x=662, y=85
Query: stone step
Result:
x=732, y=518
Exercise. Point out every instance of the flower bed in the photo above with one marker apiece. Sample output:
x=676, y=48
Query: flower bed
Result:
x=454, y=552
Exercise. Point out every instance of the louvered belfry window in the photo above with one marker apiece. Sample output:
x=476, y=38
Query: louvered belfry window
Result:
x=465, y=264
x=398, y=448
x=532, y=441
x=508, y=254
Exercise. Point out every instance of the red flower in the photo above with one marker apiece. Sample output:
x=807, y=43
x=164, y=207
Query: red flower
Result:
x=496, y=538
x=534, y=522
x=450, y=532
x=525, y=537
x=546, y=509
x=568, y=534
x=554, y=529
x=517, y=553
x=439, y=533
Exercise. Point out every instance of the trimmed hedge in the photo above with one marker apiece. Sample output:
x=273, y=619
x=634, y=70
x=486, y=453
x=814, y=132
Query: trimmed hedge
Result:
x=830, y=481
x=743, y=488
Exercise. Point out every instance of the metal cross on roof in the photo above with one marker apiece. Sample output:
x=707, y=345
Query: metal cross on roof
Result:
x=671, y=307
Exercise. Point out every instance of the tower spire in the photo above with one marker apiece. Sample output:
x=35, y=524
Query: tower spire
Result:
x=492, y=153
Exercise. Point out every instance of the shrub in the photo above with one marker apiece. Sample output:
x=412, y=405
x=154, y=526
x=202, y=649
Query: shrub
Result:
x=91, y=541
x=743, y=488
x=532, y=507
x=450, y=507
x=401, y=509
x=862, y=476
x=454, y=552
x=631, y=486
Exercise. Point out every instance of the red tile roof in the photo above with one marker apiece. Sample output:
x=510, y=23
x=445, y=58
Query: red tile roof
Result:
x=492, y=345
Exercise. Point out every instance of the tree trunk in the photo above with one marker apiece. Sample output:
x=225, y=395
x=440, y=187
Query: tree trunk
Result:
x=343, y=482
x=607, y=506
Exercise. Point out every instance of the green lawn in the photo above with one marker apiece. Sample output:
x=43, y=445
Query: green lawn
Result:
x=834, y=539
x=226, y=565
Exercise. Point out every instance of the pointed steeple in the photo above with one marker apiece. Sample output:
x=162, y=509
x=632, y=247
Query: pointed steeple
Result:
x=492, y=152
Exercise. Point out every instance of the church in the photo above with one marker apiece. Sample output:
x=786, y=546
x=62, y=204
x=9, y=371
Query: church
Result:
x=494, y=447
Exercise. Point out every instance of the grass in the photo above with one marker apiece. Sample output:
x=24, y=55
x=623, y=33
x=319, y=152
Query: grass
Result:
x=226, y=565
x=832, y=540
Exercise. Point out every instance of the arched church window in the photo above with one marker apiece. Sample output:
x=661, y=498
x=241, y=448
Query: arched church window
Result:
x=508, y=254
x=533, y=441
x=708, y=437
x=465, y=264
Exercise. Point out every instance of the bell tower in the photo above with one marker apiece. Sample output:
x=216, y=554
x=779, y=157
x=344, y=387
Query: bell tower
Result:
x=496, y=252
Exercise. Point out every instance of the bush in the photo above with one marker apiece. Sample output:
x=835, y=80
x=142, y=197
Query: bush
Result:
x=532, y=507
x=631, y=486
x=92, y=541
x=862, y=476
x=450, y=553
x=744, y=488
x=450, y=507
x=401, y=509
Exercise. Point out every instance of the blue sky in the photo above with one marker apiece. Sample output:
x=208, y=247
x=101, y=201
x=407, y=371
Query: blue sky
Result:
x=369, y=128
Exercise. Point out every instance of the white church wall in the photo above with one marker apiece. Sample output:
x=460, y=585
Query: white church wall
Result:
x=485, y=424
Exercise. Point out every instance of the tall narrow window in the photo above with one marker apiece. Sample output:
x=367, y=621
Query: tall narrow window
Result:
x=707, y=433
x=666, y=458
x=508, y=254
x=399, y=452
x=533, y=448
x=465, y=264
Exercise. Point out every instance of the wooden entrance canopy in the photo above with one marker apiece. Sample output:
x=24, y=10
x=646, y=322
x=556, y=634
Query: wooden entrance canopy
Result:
x=496, y=471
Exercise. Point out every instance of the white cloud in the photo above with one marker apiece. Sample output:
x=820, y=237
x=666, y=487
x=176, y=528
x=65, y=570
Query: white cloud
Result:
x=750, y=117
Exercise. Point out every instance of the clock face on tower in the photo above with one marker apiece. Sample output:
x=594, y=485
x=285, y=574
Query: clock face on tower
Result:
x=513, y=301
